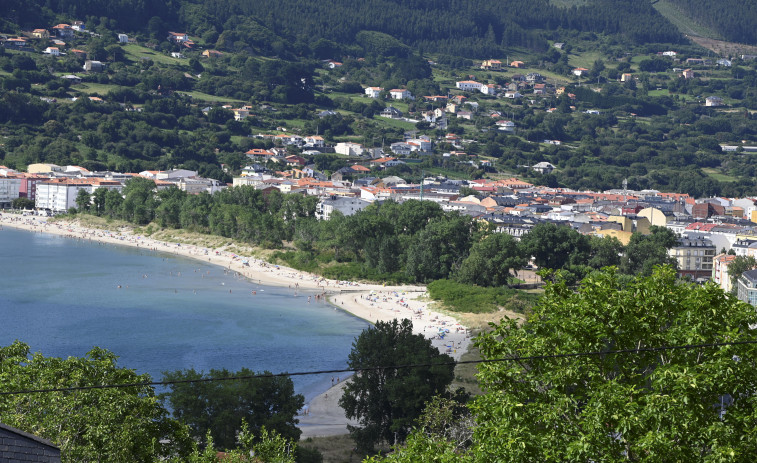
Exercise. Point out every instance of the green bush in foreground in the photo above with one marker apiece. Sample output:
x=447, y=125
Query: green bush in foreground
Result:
x=460, y=297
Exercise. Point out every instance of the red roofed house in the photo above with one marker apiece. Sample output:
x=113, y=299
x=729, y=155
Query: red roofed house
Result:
x=64, y=30
x=178, y=37
x=373, y=92
x=359, y=168
x=295, y=160
x=40, y=34
x=580, y=72
x=492, y=65
x=260, y=154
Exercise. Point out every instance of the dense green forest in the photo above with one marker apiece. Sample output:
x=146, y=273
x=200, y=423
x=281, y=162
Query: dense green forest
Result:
x=471, y=28
x=733, y=19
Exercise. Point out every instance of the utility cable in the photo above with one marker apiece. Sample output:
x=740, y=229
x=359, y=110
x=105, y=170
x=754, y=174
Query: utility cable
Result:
x=386, y=367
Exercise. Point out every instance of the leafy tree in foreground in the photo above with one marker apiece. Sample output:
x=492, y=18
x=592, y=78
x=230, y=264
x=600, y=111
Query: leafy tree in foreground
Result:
x=651, y=406
x=117, y=425
x=692, y=405
x=220, y=407
x=267, y=448
x=388, y=401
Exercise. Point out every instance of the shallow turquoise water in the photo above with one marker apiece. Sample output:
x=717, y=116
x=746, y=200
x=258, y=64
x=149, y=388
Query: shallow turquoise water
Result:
x=60, y=295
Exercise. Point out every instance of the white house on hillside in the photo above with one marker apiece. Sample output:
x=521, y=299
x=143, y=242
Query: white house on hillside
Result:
x=400, y=94
x=468, y=85
x=373, y=92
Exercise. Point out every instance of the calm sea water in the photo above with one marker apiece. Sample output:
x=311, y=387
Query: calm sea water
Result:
x=61, y=296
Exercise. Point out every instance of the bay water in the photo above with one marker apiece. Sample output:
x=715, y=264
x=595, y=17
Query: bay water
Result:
x=161, y=312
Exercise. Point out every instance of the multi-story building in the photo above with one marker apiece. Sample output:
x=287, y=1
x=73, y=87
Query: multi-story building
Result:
x=747, y=290
x=694, y=254
x=60, y=195
x=347, y=206
x=9, y=190
x=720, y=271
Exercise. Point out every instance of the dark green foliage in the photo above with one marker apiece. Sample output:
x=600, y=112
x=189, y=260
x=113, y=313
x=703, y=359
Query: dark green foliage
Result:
x=379, y=27
x=644, y=252
x=388, y=401
x=219, y=407
x=673, y=405
x=23, y=203
x=733, y=19
x=119, y=425
x=556, y=246
x=492, y=261
x=461, y=297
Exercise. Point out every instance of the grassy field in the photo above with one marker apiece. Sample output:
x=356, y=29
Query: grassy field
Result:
x=715, y=174
x=136, y=52
x=89, y=88
x=199, y=96
x=585, y=59
x=386, y=122
x=661, y=92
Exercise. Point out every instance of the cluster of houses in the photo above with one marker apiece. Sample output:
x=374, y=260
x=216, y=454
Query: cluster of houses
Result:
x=708, y=228
x=54, y=188
x=59, y=37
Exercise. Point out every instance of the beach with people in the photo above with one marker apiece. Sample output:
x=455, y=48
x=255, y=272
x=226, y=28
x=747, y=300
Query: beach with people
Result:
x=322, y=415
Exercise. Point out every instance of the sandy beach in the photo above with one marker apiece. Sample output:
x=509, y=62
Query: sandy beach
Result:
x=322, y=416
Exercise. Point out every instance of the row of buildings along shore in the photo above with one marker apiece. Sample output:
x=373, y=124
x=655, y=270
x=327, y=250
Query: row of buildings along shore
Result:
x=708, y=228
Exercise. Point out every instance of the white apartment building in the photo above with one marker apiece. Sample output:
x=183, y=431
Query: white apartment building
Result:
x=9, y=190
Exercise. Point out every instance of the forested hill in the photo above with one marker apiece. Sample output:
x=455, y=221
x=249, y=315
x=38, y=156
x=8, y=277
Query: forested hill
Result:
x=471, y=28
x=735, y=20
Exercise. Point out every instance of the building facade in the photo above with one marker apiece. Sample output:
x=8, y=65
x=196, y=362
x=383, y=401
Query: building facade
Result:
x=747, y=290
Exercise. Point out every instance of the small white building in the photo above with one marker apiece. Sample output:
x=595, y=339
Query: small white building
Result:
x=373, y=92
x=349, y=149
x=489, y=89
x=315, y=141
x=53, y=51
x=580, y=72
x=713, y=101
x=123, y=38
x=468, y=85
x=400, y=94
x=506, y=126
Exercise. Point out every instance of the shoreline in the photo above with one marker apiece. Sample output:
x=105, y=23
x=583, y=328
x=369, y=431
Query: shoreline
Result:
x=370, y=302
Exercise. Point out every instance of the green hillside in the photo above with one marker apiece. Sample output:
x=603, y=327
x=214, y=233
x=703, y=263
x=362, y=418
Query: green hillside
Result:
x=732, y=20
x=294, y=28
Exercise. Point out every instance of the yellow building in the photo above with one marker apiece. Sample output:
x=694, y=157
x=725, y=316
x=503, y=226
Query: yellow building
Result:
x=42, y=168
x=655, y=216
x=623, y=236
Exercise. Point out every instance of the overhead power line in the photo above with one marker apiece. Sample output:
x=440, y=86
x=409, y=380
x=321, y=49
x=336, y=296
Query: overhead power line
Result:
x=639, y=350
